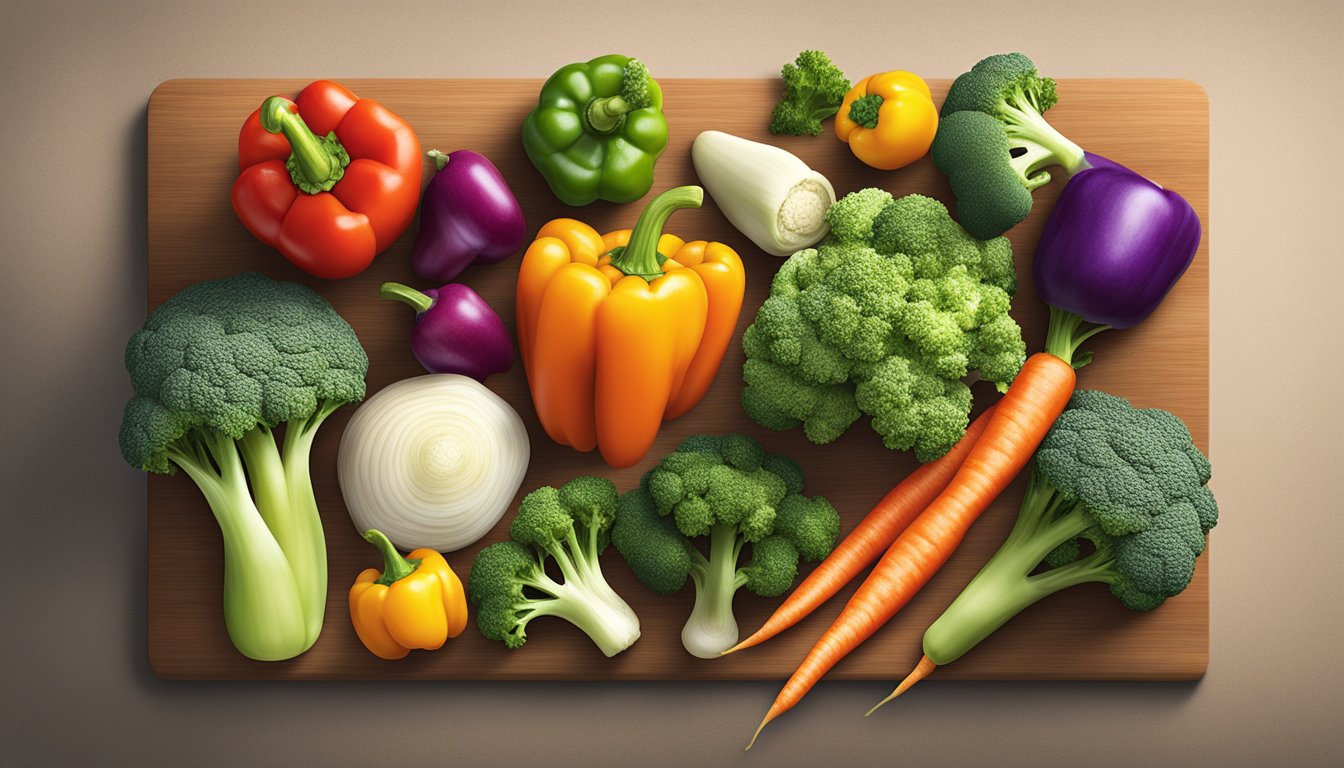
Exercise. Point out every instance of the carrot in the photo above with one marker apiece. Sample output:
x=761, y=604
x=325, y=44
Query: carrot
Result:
x=879, y=529
x=1021, y=420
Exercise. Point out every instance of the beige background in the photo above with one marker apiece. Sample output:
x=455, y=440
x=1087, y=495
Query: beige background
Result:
x=76, y=688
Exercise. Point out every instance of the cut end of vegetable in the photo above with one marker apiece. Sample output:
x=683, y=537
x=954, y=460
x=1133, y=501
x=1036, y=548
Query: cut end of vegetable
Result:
x=802, y=215
x=921, y=671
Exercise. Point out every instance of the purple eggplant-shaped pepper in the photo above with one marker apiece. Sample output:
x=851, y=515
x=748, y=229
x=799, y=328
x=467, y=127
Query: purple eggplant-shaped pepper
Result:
x=468, y=216
x=455, y=331
x=1113, y=247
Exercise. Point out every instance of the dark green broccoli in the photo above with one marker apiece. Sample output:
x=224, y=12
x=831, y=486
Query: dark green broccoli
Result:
x=994, y=144
x=813, y=90
x=216, y=369
x=1118, y=496
x=885, y=316
x=728, y=489
x=571, y=526
x=607, y=114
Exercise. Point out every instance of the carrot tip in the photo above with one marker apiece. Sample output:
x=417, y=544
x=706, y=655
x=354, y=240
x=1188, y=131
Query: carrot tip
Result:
x=757, y=734
x=921, y=671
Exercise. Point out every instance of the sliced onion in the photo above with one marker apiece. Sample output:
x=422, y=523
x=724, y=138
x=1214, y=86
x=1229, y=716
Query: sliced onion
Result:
x=432, y=461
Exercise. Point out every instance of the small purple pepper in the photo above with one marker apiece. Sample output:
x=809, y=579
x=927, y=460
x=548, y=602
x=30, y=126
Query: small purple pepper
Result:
x=455, y=331
x=468, y=215
x=1114, y=245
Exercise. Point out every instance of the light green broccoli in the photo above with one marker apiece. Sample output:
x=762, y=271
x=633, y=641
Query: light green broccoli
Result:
x=216, y=369
x=887, y=316
x=726, y=489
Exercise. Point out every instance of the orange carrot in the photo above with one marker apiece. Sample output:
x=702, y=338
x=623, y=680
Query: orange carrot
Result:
x=879, y=529
x=1021, y=420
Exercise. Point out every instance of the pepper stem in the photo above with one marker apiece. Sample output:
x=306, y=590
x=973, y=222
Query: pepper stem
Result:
x=440, y=159
x=406, y=295
x=863, y=110
x=640, y=255
x=395, y=566
x=604, y=115
x=1066, y=333
x=315, y=164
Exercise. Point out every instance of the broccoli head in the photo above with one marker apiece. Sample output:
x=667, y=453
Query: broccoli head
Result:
x=994, y=144
x=571, y=526
x=884, y=317
x=813, y=90
x=215, y=369
x=727, y=489
x=1118, y=496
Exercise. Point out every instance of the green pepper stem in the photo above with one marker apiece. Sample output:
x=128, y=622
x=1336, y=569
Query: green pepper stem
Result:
x=640, y=255
x=604, y=115
x=315, y=164
x=440, y=159
x=406, y=295
x=864, y=110
x=395, y=566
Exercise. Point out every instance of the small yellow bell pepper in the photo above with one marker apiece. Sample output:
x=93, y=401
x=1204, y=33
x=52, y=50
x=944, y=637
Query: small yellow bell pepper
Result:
x=888, y=119
x=414, y=603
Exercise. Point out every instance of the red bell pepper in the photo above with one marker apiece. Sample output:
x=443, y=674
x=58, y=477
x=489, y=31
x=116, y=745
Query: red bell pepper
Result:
x=329, y=179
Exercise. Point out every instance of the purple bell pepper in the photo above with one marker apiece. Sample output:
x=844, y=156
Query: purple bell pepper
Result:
x=468, y=216
x=1114, y=245
x=455, y=330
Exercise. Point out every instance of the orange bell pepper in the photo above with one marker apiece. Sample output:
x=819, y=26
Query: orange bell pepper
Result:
x=888, y=119
x=415, y=603
x=622, y=331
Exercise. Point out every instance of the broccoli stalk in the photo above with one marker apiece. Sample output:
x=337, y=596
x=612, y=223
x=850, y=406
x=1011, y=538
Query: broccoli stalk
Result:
x=1118, y=496
x=813, y=91
x=569, y=526
x=726, y=489
x=216, y=369
x=605, y=115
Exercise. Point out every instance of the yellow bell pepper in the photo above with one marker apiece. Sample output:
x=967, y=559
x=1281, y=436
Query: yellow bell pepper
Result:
x=414, y=603
x=888, y=119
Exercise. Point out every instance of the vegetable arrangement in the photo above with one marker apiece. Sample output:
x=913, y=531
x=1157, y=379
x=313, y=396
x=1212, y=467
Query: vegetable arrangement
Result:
x=883, y=307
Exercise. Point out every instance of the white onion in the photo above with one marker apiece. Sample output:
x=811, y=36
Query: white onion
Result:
x=432, y=461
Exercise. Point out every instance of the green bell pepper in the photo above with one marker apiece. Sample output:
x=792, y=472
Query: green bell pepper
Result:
x=597, y=130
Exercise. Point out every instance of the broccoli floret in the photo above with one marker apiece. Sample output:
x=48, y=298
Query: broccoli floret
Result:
x=635, y=84
x=994, y=144
x=216, y=369
x=1118, y=496
x=813, y=90
x=572, y=527
x=725, y=488
x=885, y=316
x=852, y=216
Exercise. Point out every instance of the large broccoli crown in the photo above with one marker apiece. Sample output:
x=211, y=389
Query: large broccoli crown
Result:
x=1142, y=481
x=813, y=90
x=226, y=355
x=884, y=317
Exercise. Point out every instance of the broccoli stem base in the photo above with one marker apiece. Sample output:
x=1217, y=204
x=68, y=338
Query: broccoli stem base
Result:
x=263, y=605
x=712, y=627
x=588, y=602
x=1004, y=588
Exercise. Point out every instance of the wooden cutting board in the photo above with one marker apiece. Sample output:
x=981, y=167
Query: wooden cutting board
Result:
x=1157, y=127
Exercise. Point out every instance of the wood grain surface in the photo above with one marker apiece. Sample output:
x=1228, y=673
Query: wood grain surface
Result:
x=1157, y=127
